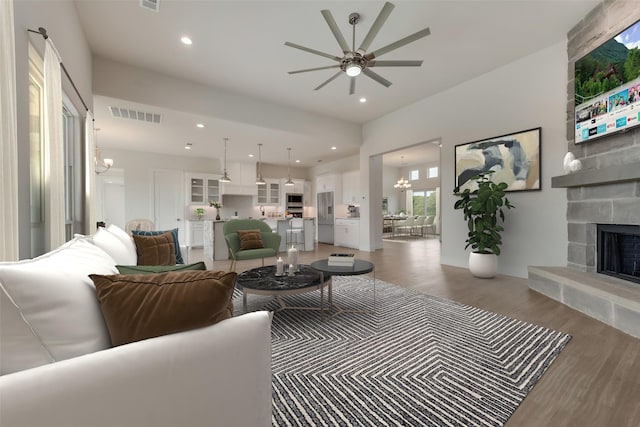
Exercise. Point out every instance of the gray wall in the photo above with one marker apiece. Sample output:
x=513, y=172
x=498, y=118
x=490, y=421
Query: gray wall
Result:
x=601, y=204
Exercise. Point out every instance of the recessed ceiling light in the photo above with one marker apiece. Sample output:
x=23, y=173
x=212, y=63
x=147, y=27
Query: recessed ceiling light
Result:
x=250, y=155
x=363, y=100
x=200, y=125
x=188, y=146
x=334, y=148
x=297, y=161
x=186, y=40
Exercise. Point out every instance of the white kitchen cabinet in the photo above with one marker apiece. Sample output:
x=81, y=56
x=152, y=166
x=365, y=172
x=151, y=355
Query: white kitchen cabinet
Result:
x=274, y=192
x=269, y=194
x=243, y=179
x=201, y=188
x=330, y=183
x=351, y=187
x=195, y=234
x=347, y=233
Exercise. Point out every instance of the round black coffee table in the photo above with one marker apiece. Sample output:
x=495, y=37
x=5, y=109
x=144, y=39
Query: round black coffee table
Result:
x=263, y=281
x=359, y=266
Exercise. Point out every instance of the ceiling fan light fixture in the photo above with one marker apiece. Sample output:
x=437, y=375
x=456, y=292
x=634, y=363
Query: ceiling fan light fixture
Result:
x=353, y=70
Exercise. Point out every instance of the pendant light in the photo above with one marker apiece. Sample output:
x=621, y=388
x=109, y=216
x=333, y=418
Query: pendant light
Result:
x=260, y=181
x=288, y=182
x=225, y=177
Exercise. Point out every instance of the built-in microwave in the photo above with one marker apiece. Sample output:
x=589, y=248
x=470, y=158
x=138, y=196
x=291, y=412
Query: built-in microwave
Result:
x=295, y=204
x=295, y=200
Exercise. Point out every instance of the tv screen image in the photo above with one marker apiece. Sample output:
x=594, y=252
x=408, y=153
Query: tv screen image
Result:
x=607, y=87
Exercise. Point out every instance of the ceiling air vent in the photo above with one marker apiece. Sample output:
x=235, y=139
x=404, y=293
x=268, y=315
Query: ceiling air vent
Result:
x=128, y=113
x=150, y=4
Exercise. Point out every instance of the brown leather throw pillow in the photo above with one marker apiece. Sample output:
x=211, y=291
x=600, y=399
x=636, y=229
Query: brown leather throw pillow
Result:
x=250, y=239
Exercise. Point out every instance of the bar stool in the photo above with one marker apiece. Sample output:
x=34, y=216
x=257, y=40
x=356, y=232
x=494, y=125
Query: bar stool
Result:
x=295, y=234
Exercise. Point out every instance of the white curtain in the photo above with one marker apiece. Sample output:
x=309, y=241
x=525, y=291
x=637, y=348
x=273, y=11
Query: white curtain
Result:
x=408, y=203
x=9, y=244
x=53, y=150
x=90, y=175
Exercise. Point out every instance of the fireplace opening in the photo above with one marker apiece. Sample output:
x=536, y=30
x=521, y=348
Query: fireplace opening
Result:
x=619, y=251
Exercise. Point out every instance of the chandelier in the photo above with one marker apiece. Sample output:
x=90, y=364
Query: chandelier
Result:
x=402, y=184
x=101, y=165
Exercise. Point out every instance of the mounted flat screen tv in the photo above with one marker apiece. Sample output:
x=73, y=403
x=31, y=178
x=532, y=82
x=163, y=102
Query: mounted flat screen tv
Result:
x=607, y=86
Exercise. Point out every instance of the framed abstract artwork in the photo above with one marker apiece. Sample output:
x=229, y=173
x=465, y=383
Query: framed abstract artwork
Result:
x=514, y=158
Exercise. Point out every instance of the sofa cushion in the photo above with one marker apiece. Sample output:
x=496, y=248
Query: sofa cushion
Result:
x=141, y=306
x=114, y=246
x=149, y=269
x=48, y=307
x=126, y=239
x=155, y=250
x=250, y=239
x=174, y=232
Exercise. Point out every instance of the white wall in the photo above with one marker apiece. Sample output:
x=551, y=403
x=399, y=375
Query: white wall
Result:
x=527, y=93
x=122, y=81
x=138, y=175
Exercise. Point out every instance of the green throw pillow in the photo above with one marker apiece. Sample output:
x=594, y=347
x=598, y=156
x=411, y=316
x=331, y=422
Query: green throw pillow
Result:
x=150, y=269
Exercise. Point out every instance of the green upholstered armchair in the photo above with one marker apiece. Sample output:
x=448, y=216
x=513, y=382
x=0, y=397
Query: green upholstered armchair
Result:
x=270, y=240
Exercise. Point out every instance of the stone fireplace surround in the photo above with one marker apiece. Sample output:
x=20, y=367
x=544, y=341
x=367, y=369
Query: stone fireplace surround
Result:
x=605, y=191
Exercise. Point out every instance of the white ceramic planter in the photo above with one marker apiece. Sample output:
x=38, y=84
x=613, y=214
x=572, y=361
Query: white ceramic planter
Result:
x=484, y=266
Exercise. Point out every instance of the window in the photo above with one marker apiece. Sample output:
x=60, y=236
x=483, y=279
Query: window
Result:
x=432, y=172
x=71, y=166
x=36, y=148
x=414, y=175
x=424, y=203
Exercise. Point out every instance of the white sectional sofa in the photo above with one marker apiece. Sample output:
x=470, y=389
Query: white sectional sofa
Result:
x=59, y=369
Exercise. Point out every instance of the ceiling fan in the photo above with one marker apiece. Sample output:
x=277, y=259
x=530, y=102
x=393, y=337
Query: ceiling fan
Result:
x=356, y=61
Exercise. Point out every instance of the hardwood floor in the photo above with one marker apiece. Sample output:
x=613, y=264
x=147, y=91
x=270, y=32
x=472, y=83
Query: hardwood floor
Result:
x=594, y=382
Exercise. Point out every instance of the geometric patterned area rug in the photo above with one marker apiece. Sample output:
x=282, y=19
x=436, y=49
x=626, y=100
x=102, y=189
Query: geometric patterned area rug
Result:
x=416, y=360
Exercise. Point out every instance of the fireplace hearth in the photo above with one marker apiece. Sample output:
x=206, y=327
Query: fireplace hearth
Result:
x=618, y=249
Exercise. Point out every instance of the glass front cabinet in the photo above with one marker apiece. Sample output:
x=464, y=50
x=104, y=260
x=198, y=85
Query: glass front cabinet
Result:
x=269, y=194
x=202, y=188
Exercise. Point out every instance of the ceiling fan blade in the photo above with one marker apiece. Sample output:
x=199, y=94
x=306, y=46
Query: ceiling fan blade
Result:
x=314, y=69
x=335, y=30
x=352, y=86
x=375, y=28
x=332, y=78
x=395, y=45
x=394, y=63
x=316, y=52
x=377, y=77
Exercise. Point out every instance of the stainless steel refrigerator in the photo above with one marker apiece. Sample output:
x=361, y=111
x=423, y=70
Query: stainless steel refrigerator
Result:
x=325, y=217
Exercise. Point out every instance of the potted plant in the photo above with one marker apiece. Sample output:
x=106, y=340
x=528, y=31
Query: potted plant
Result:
x=199, y=212
x=482, y=206
x=217, y=205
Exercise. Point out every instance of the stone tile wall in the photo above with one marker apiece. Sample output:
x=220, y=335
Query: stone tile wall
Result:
x=617, y=203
